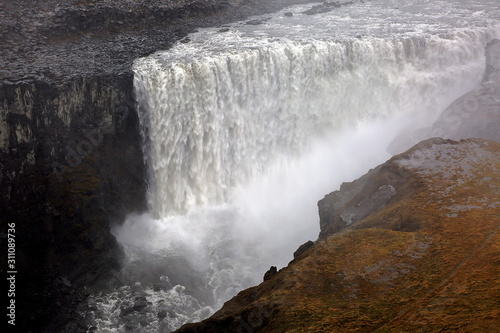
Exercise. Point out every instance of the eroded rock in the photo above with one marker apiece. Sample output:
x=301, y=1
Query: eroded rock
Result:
x=70, y=149
x=369, y=204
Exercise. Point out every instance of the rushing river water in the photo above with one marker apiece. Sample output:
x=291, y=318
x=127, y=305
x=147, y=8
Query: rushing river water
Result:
x=245, y=127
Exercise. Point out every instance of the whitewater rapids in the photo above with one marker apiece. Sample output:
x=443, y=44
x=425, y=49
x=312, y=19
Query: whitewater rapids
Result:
x=246, y=127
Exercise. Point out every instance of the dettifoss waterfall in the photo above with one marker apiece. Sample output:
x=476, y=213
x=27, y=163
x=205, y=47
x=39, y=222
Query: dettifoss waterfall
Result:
x=245, y=127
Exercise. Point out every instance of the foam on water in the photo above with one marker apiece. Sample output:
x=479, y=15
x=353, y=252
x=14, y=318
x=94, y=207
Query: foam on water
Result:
x=245, y=130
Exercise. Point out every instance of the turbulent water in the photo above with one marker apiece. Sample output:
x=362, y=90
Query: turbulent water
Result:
x=245, y=127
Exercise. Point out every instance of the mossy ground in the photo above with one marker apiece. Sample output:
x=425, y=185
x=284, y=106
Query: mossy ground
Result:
x=441, y=276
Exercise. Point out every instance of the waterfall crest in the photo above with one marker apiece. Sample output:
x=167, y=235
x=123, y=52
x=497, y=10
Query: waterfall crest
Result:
x=218, y=120
x=245, y=128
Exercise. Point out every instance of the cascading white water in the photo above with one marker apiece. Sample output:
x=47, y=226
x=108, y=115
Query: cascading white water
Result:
x=217, y=121
x=244, y=130
x=217, y=117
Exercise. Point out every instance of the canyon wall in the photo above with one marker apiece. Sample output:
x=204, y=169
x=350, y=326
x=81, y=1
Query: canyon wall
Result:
x=70, y=156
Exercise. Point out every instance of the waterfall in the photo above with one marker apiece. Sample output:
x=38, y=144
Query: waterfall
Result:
x=216, y=121
x=245, y=128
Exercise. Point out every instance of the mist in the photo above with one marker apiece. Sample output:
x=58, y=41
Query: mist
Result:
x=231, y=245
x=244, y=133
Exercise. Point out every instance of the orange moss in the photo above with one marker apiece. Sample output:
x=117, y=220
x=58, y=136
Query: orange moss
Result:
x=428, y=262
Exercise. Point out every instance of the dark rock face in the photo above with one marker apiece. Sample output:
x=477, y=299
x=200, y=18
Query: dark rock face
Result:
x=70, y=155
x=270, y=273
x=369, y=204
x=364, y=196
x=317, y=10
x=72, y=166
x=326, y=6
x=302, y=249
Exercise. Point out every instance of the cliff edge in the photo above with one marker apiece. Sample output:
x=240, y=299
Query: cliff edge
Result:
x=70, y=155
x=412, y=245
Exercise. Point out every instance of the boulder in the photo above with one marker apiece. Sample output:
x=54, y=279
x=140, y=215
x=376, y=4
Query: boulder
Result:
x=270, y=273
x=302, y=249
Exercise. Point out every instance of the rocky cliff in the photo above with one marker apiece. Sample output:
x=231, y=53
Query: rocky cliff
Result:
x=70, y=155
x=410, y=246
x=70, y=160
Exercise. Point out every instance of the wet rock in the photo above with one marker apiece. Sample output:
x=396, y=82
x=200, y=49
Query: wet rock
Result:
x=474, y=115
x=162, y=314
x=126, y=310
x=66, y=282
x=130, y=326
x=335, y=4
x=492, y=71
x=356, y=200
x=140, y=303
x=317, y=9
x=68, y=127
x=254, y=22
x=326, y=6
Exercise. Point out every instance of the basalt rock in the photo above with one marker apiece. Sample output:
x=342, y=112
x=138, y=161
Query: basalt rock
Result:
x=317, y=9
x=70, y=155
x=327, y=6
x=270, y=273
x=302, y=249
x=354, y=201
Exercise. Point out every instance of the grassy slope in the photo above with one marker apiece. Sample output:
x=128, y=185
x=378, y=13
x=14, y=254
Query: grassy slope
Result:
x=444, y=276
